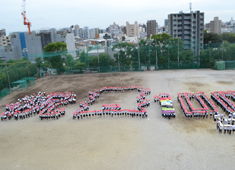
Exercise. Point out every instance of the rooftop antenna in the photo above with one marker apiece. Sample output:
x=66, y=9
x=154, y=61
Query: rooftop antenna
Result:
x=190, y=7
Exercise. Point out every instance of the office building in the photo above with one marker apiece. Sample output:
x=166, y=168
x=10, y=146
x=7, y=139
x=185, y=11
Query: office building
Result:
x=151, y=27
x=189, y=27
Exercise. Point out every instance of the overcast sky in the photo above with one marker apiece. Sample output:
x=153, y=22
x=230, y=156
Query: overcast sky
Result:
x=102, y=13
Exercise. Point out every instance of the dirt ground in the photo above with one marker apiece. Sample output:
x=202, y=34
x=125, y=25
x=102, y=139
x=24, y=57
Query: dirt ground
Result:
x=119, y=142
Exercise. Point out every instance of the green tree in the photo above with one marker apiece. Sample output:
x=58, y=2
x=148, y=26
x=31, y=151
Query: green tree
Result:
x=124, y=51
x=82, y=57
x=56, y=50
x=161, y=37
x=70, y=61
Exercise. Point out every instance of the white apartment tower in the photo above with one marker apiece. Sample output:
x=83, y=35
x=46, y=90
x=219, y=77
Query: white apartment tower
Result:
x=132, y=29
x=189, y=27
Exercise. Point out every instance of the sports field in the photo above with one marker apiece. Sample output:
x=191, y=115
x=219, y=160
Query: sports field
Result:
x=120, y=142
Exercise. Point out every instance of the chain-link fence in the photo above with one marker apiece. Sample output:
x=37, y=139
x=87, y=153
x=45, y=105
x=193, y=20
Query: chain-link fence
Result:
x=120, y=57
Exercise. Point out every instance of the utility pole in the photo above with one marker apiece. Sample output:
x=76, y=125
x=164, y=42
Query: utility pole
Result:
x=8, y=77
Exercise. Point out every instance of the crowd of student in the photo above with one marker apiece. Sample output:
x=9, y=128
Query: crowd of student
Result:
x=166, y=104
x=111, y=110
x=224, y=124
x=46, y=105
x=199, y=112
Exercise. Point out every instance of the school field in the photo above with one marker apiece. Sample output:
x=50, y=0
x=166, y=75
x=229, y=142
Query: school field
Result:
x=120, y=142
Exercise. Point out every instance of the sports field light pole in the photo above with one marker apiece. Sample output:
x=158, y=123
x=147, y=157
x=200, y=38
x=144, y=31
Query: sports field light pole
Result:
x=25, y=52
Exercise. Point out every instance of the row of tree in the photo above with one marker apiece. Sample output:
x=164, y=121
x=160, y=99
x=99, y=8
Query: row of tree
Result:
x=16, y=70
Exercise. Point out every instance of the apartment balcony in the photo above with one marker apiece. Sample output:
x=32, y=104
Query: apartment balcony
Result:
x=187, y=42
x=187, y=27
x=187, y=32
x=187, y=37
x=187, y=23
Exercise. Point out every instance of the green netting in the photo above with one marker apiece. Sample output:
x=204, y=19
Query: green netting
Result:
x=20, y=83
x=229, y=65
x=4, y=93
x=220, y=65
x=30, y=80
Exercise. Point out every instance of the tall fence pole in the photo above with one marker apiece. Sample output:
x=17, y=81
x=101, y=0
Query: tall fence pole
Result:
x=8, y=77
x=139, y=55
x=24, y=50
x=156, y=58
x=178, y=53
x=27, y=66
x=118, y=62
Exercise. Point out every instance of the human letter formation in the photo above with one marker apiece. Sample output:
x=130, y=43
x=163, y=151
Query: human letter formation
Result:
x=166, y=104
x=203, y=100
x=46, y=105
x=222, y=99
x=111, y=110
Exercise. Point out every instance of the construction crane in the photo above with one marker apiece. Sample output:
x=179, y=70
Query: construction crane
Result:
x=26, y=21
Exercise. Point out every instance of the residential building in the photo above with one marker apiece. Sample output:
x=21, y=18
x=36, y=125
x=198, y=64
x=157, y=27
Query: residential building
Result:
x=189, y=27
x=132, y=40
x=114, y=30
x=166, y=22
x=143, y=35
x=76, y=30
x=151, y=27
x=84, y=33
x=122, y=37
x=5, y=40
x=214, y=26
x=2, y=32
x=132, y=29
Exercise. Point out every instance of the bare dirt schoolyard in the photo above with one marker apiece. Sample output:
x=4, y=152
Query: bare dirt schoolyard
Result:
x=120, y=142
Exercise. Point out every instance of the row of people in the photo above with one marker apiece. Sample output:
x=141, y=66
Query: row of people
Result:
x=225, y=128
x=209, y=102
x=110, y=113
x=198, y=113
x=218, y=99
x=142, y=102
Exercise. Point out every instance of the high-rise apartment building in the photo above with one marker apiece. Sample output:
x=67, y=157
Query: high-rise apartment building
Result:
x=189, y=27
x=151, y=27
x=132, y=30
x=214, y=26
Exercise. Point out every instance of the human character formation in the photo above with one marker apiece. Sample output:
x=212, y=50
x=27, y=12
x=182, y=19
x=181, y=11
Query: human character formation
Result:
x=113, y=110
x=46, y=105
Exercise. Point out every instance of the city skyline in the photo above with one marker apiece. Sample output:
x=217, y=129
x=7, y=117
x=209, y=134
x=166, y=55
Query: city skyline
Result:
x=49, y=14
